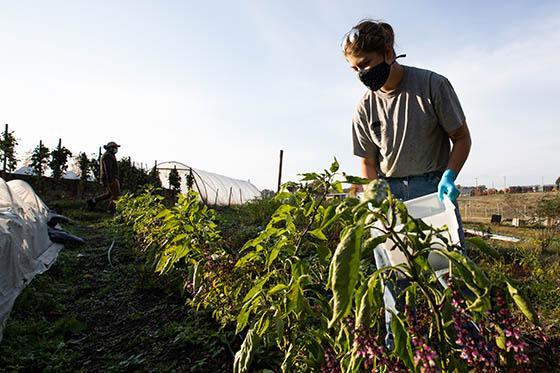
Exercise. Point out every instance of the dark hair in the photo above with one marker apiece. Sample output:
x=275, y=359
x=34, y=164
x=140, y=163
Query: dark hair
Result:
x=368, y=36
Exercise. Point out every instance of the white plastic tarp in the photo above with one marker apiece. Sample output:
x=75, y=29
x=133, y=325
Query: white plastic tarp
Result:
x=214, y=189
x=25, y=247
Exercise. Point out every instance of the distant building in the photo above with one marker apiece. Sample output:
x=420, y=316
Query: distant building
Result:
x=336, y=196
x=466, y=190
x=25, y=170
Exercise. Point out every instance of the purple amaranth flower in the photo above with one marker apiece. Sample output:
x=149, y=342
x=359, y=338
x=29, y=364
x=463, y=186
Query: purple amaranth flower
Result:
x=330, y=363
x=424, y=355
x=475, y=350
x=514, y=343
x=370, y=347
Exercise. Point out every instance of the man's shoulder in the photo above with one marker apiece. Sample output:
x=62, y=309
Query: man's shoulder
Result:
x=416, y=74
x=108, y=156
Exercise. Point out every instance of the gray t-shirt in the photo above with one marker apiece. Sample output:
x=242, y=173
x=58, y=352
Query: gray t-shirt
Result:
x=406, y=129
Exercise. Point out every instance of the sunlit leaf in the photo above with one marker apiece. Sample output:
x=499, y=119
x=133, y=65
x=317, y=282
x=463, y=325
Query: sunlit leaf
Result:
x=522, y=303
x=344, y=271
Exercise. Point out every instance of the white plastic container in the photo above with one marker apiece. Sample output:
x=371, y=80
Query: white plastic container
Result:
x=435, y=213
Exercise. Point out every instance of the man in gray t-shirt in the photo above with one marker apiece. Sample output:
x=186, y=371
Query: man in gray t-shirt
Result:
x=402, y=129
x=406, y=131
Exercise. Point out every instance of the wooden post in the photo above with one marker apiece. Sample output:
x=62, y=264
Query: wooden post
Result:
x=5, y=158
x=280, y=170
x=216, y=198
x=41, y=164
x=229, y=200
x=240, y=197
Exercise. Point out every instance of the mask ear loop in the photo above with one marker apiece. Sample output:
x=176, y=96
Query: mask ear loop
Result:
x=399, y=56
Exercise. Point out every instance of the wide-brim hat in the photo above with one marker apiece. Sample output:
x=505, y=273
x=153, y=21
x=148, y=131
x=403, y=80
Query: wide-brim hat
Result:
x=111, y=144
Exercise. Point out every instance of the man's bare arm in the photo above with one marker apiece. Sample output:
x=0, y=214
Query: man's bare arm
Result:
x=461, y=139
x=369, y=168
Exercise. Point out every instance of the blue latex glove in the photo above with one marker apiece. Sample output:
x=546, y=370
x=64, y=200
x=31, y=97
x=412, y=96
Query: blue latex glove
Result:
x=447, y=186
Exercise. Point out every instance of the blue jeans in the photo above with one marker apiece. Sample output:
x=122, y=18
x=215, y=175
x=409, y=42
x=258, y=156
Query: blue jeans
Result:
x=405, y=188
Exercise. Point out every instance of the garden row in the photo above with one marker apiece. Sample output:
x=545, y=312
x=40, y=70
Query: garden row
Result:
x=303, y=292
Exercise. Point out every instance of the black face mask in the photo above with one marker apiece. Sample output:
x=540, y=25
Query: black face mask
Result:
x=375, y=77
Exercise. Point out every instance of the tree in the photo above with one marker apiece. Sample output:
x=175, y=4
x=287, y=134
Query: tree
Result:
x=267, y=193
x=7, y=150
x=153, y=177
x=94, y=166
x=40, y=159
x=84, y=163
x=174, y=180
x=189, y=179
x=131, y=177
x=549, y=208
x=59, y=160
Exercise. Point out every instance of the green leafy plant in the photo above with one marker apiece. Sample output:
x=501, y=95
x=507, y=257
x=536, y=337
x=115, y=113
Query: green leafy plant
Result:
x=94, y=166
x=40, y=159
x=59, y=160
x=84, y=164
x=153, y=177
x=306, y=292
x=8, y=144
x=132, y=178
x=174, y=180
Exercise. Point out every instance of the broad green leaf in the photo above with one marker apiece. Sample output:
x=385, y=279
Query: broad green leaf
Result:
x=309, y=207
x=481, y=304
x=256, y=288
x=277, y=288
x=337, y=185
x=179, y=237
x=162, y=214
x=402, y=213
x=370, y=302
x=296, y=300
x=247, y=258
x=327, y=215
x=372, y=242
x=318, y=233
x=470, y=273
x=163, y=263
x=523, y=305
x=334, y=166
x=308, y=176
x=355, y=179
x=483, y=246
x=243, y=357
x=402, y=342
x=422, y=262
x=263, y=324
x=344, y=271
x=243, y=317
x=272, y=256
x=501, y=338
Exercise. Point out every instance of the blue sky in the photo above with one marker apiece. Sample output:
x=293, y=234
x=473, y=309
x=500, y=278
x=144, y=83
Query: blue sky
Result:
x=223, y=86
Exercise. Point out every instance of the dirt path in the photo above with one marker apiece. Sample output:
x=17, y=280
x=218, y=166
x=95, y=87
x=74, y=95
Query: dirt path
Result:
x=86, y=315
